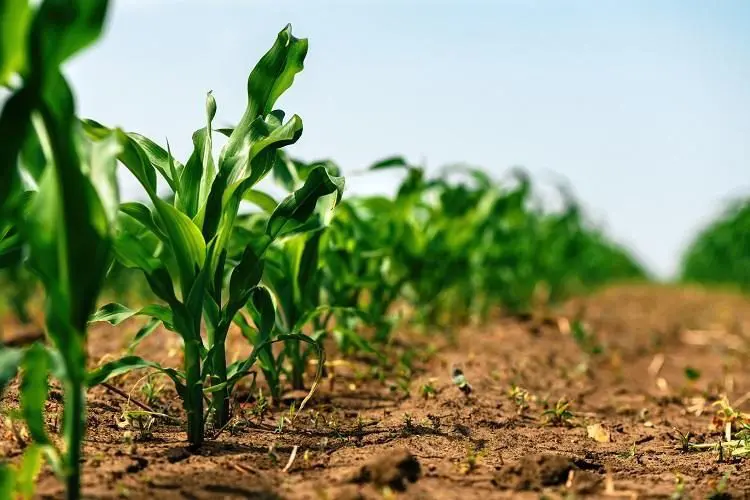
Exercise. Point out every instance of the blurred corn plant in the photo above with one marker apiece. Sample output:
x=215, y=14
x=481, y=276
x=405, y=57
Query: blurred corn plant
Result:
x=58, y=205
x=720, y=253
x=185, y=248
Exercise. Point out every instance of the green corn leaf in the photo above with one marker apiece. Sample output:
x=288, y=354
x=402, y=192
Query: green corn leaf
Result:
x=188, y=198
x=68, y=220
x=244, y=278
x=60, y=29
x=250, y=333
x=31, y=466
x=295, y=210
x=225, y=197
x=8, y=475
x=209, y=168
x=262, y=312
x=131, y=251
x=143, y=215
x=307, y=288
x=262, y=200
x=33, y=158
x=15, y=123
x=102, y=165
x=15, y=16
x=390, y=162
x=10, y=361
x=324, y=309
x=133, y=155
x=161, y=159
x=273, y=75
x=285, y=171
x=200, y=171
x=263, y=148
x=144, y=332
x=33, y=391
x=114, y=313
x=214, y=388
x=161, y=284
x=281, y=276
x=186, y=241
x=348, y=336
x=129, y=363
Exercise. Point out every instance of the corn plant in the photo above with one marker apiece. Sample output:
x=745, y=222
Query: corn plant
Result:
x=718, y=254
x=58, y=202
x=184, y=247
x=291, y=275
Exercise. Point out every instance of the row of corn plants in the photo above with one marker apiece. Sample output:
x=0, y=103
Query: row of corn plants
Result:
x=217, y=250
x=456, y=250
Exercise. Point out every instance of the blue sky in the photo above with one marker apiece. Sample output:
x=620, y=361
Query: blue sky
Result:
x=643, y=106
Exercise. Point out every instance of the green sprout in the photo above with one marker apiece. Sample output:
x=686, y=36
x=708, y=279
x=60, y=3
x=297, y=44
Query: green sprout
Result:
x=559, y=414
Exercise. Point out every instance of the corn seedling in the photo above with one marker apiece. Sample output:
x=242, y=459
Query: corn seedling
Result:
x=184, y=248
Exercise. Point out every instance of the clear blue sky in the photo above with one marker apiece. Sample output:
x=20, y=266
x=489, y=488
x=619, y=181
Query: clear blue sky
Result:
x=644, y=105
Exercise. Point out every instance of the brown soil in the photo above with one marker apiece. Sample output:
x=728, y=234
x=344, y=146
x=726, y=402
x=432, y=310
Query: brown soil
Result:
x=364, y=438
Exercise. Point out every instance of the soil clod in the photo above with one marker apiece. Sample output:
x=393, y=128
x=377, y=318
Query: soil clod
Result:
x=391, y=469
x=175, y=455
x=534, y=472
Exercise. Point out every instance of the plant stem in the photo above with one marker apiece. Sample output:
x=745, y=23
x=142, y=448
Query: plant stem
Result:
x=220, y=398
x=298, y=366
x=194, y=394
x=74, y=426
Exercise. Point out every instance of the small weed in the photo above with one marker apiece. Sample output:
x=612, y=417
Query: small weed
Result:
x=559, y=414
x=139, y=421
x=520, y=398
x=471, y=460
x=586, y=340
x=408, y=422
x=261, y=406
x=630, y=454
x=679, y=488
x=720, y=490
x=428, y=390
x=727, y=418
x=286, y=419
x=683, y=439
x=315, y=418
x=151, y=392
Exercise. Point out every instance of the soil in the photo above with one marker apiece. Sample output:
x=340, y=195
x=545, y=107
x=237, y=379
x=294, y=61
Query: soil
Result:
x=655, y=361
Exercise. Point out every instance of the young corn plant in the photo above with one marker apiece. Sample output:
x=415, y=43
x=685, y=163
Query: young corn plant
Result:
x=291, y=276
x=58, y=203
x=184, y=247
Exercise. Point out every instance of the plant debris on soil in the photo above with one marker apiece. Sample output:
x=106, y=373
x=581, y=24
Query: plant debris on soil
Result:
x=667, y=364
